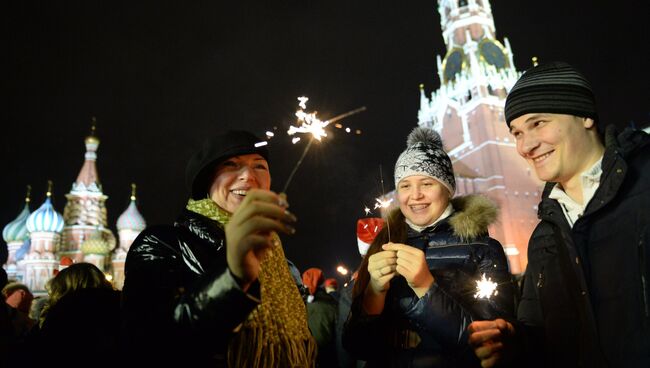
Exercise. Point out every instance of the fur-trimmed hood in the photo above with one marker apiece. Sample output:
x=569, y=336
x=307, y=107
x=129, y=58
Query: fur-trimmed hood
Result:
x=472, y=215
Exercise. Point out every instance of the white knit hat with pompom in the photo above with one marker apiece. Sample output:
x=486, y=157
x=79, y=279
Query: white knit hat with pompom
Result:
x=424, y=155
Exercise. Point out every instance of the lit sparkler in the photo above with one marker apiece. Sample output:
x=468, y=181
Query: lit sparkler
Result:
x=485, y=288
x=384, y=204
x=308, y=123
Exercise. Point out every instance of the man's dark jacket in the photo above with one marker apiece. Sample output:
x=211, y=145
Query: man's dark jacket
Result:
x=586, y=295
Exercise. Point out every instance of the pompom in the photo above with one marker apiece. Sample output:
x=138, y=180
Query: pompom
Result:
x=426, y=136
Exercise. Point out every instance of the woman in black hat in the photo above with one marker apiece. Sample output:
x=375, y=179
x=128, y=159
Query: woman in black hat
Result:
x=215, y=287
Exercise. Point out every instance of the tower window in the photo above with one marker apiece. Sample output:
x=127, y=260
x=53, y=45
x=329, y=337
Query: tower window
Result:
x=462, y=3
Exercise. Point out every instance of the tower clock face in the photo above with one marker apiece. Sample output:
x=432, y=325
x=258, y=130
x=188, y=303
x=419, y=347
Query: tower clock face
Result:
x=453, y=64
x=493, y=54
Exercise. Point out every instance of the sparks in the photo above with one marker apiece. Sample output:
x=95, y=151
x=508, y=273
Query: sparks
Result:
x=260, y=144
x=302, y=101
x=383, y=203
x=367, y=211
x=485, y=288
x=308, y=123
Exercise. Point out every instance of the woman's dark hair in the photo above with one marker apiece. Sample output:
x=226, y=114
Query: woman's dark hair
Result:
x=74, y=277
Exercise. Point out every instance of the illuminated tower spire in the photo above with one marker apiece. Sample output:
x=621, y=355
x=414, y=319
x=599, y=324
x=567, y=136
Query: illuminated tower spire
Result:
x=85, y=211
x=129, y=225
x=475, y=76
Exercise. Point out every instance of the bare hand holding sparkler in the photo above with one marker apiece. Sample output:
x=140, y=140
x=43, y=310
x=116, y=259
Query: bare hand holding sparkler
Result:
x=491, y=341
x=381, y=267
x=250, y=233
x=412, y=264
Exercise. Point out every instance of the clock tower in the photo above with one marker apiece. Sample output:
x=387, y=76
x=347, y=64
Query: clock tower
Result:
x=475, y=76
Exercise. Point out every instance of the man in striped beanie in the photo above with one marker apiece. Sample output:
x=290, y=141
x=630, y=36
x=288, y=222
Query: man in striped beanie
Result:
x=554, y=87
x=585, y=288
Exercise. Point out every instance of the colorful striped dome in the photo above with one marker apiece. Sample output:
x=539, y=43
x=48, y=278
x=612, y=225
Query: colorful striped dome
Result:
x=131, y=219
x=45, y=219
x=16, y=230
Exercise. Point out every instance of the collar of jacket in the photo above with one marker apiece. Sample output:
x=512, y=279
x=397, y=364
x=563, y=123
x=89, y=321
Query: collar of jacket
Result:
x=617, y=148
x=471, y=218
x=202, y=227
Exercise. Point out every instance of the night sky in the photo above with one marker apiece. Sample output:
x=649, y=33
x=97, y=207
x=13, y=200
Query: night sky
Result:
x=161, y=77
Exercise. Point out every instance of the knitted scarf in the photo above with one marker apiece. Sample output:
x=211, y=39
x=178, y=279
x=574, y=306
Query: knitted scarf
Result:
x=275, y=333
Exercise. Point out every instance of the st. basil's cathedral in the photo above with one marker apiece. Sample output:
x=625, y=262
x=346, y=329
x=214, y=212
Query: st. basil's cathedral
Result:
x=41, y=242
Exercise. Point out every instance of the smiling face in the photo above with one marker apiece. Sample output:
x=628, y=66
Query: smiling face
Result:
x=422, y=199
x=559, y=147
x=235, y=176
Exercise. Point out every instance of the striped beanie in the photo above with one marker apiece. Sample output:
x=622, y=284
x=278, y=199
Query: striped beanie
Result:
x=554, y=87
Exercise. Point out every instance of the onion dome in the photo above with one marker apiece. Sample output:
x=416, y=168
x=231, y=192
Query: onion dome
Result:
x=131, y=218
x=45, y=218
x=96, y=244
x=16, y=230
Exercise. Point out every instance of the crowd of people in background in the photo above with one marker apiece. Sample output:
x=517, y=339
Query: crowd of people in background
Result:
x=216, y=289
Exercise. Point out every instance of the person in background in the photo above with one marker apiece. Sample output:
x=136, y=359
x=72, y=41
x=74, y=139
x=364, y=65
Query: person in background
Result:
x=367, y=230
x=332, y=288
x=415, y=293
x=6, y=329
x=18, y=296
x=19, y=299
x=83, y=307
x=321, y=316
x=586, y=295
x=215, y=289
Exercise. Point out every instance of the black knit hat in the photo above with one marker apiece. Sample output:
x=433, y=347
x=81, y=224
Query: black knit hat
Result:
x=554, y=87
x=200, y=168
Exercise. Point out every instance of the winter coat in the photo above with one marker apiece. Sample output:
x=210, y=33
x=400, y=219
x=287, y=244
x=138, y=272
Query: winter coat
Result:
x=321, y=316
x=181, y=303
x=431, y=331
x=586, y=290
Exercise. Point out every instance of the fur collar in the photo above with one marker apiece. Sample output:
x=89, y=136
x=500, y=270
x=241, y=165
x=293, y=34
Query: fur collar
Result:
x=473, y=214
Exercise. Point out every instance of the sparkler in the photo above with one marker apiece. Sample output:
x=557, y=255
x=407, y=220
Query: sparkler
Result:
x=384, y=204
x=381, y=203
x=485, y=288
x=308, y=123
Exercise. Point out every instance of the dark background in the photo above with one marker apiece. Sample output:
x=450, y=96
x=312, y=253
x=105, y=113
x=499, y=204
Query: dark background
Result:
x=162, y=76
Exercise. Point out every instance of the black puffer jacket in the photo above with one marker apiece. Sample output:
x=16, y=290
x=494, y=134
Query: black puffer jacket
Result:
x=588, y=303
x=181, y=303
x=431, y=331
